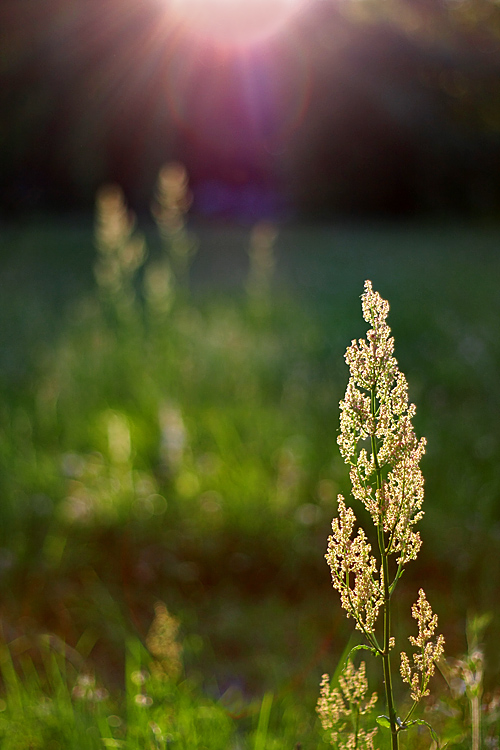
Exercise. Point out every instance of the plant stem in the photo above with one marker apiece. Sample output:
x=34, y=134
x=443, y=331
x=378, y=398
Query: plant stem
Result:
x=476, y=722
x=386, y=659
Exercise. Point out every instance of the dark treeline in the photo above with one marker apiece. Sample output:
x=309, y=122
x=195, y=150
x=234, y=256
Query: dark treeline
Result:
x=360, y=107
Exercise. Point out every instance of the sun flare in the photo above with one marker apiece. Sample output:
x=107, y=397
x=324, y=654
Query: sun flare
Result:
x=237, y=21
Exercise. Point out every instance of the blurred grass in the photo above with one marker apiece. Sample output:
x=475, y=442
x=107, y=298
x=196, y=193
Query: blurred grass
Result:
x=189, y=454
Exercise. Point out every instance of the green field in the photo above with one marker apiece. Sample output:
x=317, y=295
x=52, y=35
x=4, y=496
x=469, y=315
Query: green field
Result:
x=175, y=441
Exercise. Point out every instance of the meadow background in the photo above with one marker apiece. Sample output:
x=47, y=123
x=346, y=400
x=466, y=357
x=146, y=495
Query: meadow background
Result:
x=186, y=225
x=186, y=454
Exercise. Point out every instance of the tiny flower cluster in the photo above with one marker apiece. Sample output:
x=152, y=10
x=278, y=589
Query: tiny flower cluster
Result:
x=139, y=678
x=387, y=480
x=121, y=252
x=354, y=570
x=430, y=652
x=163, y=645
x=339, y=708
x=86, y=689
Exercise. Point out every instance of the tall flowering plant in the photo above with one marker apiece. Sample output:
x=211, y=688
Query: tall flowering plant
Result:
x=378, y=442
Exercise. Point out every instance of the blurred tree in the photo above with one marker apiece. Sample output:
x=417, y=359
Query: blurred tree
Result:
x=388, y=106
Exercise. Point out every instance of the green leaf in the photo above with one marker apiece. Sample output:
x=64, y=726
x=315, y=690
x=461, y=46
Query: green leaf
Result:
x=423, y=723
x=384, y=721
x=362, y=647
x=396, y=579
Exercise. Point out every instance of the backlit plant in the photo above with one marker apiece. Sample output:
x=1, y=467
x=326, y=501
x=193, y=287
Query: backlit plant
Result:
x=378, y=442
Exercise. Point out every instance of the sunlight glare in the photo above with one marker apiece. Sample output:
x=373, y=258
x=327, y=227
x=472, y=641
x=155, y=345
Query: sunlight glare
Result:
x=238, y=21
